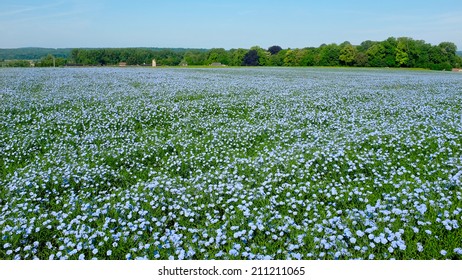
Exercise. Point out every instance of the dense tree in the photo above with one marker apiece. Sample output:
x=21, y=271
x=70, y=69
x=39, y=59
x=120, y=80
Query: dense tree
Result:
x=376, y=55
x=422, y=52
x=348, y=54
x=392, y=52
x=449, y=50
x=361, y=60
x=309, y=56
x=195, y=58
x=274, y=50
x=218, y=55
x=278, y=59
x=236, y=56
x=402, y=53
x=290, y=58
x=329, y=55
x=458, y=63
x=302, y=57
x=251, y=58
x=264, y=56
x=51, y=61
x=15, y=63
x=366, y=45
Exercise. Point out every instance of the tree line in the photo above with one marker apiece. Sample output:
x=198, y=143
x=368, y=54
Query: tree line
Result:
x=392, y=52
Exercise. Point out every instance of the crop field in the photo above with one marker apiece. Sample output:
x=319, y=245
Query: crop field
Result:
x=230, y=163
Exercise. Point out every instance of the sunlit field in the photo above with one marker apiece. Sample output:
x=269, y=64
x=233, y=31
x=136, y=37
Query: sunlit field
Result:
x=230, y=163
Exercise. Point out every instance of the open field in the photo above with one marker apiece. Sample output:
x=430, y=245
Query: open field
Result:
x=232, y=163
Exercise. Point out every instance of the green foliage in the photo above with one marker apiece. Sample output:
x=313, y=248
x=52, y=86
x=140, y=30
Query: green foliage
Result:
x=366, y=45
x=136, y=56
x=376, y=55
x=16, y=63
x=348, y=54
x=218, y=55
x=392, y=52
x=236, y=56
x=278, y=59
x=51, y=61
x=458, y=63
x=361, y=59
x=402, y=56
x=329, y=55
x=289, y=58
x=195, y=57
x=264, y=56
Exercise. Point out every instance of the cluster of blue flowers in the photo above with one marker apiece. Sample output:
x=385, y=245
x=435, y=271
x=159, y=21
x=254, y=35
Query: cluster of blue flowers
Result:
x=107, y=163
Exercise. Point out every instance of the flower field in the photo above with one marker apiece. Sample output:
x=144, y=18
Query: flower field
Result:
x=230, y=163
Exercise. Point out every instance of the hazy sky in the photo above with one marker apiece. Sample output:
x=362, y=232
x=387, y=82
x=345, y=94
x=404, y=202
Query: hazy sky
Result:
x=227, y=24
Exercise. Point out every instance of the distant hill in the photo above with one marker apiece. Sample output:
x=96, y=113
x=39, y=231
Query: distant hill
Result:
x=459, y=53
x=32, y=53
x=38, y=53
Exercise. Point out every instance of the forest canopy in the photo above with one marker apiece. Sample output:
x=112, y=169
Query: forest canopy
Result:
x=393, y=52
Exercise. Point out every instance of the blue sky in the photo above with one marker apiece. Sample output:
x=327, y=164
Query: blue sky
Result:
x=227, y=24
